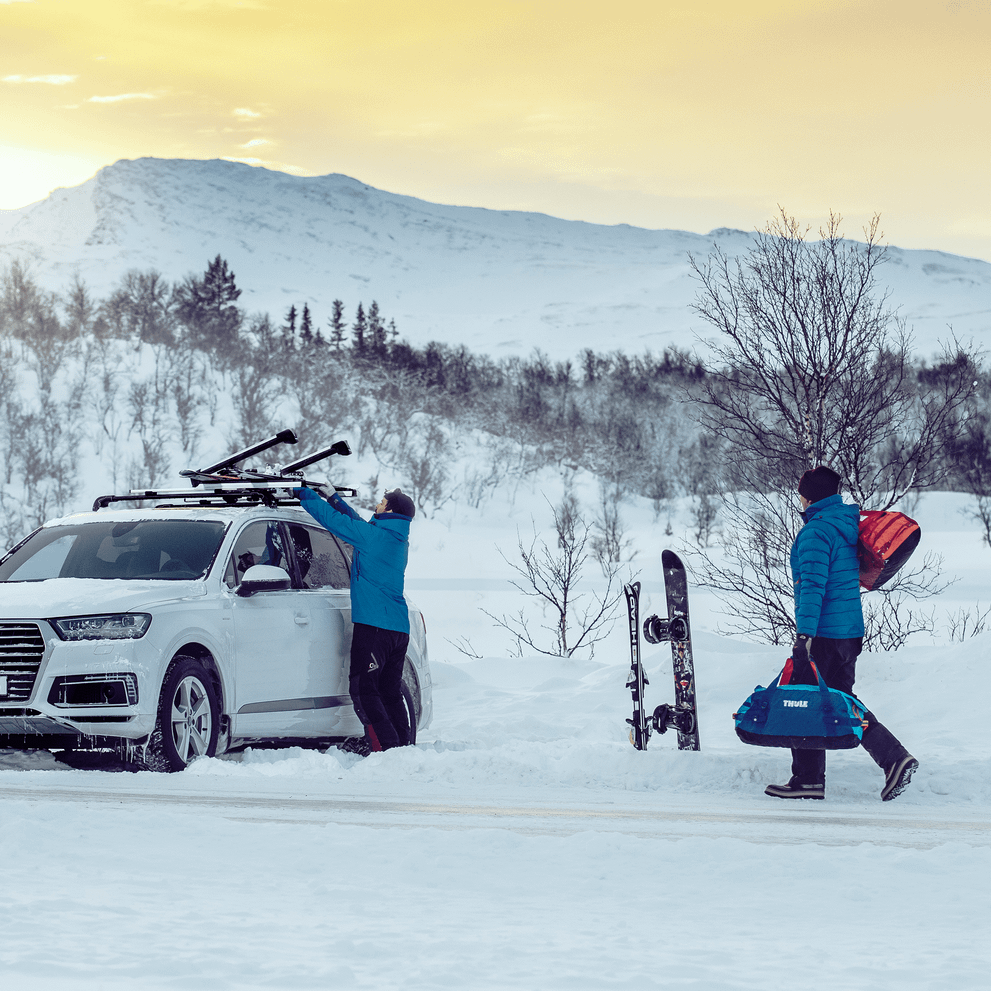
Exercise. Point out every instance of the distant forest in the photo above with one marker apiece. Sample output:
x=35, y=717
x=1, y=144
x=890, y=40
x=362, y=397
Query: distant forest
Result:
x=143, y=373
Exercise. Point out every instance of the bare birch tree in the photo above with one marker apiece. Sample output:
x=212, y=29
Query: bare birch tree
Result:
x=812, y=366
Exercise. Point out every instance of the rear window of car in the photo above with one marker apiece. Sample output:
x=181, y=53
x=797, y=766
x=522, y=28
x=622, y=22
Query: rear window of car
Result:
x=160, y=550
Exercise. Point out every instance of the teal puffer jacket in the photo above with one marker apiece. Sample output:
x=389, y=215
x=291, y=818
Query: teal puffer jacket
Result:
x=378, y=566
x=826, y=571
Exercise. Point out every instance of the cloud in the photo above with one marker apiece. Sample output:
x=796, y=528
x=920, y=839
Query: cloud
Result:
x=51, y=80
x=121, y=96
x=16, y=1
x=246, y=113
x=255, y=142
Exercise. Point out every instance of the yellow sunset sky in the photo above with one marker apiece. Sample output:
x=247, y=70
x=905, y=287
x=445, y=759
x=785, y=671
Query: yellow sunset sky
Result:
x=688, y=115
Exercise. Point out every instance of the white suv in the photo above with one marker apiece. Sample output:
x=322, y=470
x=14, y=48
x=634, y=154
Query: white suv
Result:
x=182, y=630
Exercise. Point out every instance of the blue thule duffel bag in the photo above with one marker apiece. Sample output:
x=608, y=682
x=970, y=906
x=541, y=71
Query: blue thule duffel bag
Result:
x=803, y=717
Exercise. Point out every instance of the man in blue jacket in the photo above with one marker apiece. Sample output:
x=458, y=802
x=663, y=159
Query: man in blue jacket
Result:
x=378, y=608
x=830, y=623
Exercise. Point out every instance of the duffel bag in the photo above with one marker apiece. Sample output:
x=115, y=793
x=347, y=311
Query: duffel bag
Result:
x=804, y=717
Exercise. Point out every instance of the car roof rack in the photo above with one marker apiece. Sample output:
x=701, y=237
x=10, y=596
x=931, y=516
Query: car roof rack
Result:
x=223, y=484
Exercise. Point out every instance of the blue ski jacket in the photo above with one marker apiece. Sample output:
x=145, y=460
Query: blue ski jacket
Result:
x=378, y=565
x=826, y=571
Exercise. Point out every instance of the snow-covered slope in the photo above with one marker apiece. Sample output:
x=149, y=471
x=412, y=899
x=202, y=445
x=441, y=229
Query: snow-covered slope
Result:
x=502, y=282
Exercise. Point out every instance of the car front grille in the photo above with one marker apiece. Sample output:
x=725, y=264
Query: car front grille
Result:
x=21, y=648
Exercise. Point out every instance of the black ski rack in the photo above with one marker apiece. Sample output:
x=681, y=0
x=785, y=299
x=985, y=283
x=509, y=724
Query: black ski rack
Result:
x=224, y=485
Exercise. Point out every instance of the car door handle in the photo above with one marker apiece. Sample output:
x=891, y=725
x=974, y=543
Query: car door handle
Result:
x=301, y=619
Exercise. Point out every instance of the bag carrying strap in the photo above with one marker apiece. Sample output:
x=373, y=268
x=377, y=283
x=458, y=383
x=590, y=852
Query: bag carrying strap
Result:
x=784, y=678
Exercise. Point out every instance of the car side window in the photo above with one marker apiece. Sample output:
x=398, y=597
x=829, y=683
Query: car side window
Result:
x=321, y=562
x=258, y=543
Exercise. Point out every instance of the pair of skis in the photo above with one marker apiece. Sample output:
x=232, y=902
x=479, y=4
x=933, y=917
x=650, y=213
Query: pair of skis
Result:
x=683, y=715
x=230, y=483
x=224, y=472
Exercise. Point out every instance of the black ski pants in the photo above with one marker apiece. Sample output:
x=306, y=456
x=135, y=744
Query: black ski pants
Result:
x=377, y=658
x=837, y=663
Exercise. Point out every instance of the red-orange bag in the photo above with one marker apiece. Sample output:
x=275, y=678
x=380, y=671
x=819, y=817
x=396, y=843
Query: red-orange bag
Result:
x=887, y=540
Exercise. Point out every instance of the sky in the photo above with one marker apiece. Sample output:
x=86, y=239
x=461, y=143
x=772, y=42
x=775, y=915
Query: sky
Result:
x=689, y=115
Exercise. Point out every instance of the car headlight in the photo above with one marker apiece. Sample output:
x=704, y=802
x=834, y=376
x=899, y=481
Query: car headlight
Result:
x=112, y=626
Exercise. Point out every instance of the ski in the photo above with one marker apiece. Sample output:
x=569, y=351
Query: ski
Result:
x=282, y=437
x=675, y=627
x=291, y=474
x=234, y=486
x=640, y=731
x=225, y=481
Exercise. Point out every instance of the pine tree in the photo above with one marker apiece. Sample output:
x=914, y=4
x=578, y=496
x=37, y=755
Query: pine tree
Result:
x=206, y=305
x=338, y=329
x=359, y=330
x=289, y=329
x=306, y=329
x=376, y=330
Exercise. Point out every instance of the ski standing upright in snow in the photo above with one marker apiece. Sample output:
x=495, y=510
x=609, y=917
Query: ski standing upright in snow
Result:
x=640, y=732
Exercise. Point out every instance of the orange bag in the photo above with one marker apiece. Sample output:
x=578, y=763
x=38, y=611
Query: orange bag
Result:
x=887, y=540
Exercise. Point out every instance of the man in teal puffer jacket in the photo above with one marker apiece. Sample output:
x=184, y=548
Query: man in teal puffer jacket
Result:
x=378, y=608
x=830, y=623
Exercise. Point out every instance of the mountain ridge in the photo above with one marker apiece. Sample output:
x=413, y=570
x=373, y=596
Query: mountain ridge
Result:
x=498, y=281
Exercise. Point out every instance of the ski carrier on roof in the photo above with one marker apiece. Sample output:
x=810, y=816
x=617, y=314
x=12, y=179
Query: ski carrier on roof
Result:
x=224, y=484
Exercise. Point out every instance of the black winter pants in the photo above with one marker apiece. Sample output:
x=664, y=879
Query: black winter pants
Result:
x=377, y=658
x=837, y=662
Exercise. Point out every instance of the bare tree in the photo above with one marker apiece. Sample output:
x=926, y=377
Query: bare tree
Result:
x=813, y=368
x=610, y=545
x=552, y=576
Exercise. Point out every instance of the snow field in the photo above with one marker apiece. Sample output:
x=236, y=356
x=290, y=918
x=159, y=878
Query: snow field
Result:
x=523, y=843
x=161, y=897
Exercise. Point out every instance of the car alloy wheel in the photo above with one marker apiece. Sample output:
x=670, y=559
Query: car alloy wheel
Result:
x=188, y=718
x=192, y=719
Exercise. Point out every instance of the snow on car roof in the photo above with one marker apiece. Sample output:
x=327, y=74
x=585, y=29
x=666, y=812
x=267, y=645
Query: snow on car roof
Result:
x=180, y=512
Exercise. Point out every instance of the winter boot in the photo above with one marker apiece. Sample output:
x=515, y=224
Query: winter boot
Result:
x=794, y=789
x=898, y=776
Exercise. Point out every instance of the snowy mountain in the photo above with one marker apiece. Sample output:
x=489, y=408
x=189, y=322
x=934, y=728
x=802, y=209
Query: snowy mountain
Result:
x=499, y=281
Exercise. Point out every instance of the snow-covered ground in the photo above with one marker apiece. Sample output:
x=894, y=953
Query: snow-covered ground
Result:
x=523, y=843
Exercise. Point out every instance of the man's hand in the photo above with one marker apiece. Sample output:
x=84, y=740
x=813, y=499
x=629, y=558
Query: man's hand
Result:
x=801, y=669
x=324, y=489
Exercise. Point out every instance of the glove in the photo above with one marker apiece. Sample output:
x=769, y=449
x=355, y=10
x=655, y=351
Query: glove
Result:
x=801, y=668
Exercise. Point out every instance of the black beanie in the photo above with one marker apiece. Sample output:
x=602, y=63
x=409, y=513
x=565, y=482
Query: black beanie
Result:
x=819, y=483
x=399, y=502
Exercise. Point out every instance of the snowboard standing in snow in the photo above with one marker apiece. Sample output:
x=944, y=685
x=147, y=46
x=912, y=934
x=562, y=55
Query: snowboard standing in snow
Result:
x=640, y=733
x=683, y=715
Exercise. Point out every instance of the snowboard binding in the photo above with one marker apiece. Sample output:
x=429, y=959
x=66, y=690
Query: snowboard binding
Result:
x=667, y=717
x=657, y=629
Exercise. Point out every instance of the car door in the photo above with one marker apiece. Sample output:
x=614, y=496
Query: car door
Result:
x=324, y=576
x=271, y=633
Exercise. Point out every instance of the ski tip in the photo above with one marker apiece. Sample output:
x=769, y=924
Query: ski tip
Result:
x=670, y=560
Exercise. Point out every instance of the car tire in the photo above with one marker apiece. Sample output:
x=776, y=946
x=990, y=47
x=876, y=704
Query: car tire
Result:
x=188, y=723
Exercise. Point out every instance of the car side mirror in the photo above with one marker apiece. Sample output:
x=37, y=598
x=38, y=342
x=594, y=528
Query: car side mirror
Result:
x=263, y=578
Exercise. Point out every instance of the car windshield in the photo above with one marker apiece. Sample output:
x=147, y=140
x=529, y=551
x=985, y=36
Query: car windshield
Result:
x=164, y=550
